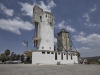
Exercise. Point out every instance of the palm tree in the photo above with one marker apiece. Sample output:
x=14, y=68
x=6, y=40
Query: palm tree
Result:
x=7, y=52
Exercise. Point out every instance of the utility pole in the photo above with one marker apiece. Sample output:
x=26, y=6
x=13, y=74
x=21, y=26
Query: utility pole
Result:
x=26, y=43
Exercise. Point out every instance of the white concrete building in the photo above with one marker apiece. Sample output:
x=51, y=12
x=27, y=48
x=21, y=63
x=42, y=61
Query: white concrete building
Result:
x=44, y=29
x=54, y=57
x=44, y=42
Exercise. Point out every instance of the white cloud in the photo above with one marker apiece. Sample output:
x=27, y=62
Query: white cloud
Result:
x=7, y=11
x=28, y=8
x=93, y=39
x=86, y=16
x=69, y=28
x=62, y=25
x=87, y=20
x=13, y=25
x=94, y=8
x=82, y=33
x=23, y=44
x=84, y=49
x=88, y=45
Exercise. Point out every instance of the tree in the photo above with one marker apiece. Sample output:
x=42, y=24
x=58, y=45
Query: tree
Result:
x=13, y=56
x=3, y=57
x=17, y=56
x=7, y=52
x=22, y=57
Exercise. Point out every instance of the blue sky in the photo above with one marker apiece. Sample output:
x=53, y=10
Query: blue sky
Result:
x=80, y=17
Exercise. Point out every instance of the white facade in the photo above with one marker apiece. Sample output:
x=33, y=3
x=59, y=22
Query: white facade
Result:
x=48, y=58
x=44, y=29
x=44, y=41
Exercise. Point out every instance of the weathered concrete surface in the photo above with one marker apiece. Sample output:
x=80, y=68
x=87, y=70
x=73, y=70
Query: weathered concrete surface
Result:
x=28, y=69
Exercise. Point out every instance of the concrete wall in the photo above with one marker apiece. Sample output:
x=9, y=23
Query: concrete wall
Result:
x=45, y=29
x=46, y=33
x=39, y=58
x=63, y=37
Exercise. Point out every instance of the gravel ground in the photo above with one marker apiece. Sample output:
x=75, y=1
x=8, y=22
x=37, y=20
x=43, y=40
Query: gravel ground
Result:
x=29, y=69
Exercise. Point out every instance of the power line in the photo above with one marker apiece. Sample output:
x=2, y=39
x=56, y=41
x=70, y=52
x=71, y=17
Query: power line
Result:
x=72, y=42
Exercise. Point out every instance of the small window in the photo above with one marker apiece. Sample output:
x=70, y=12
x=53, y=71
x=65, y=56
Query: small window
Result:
x=41, y=18
x=55, y=56
x=49, y=47
x=52, y=53
x=48, y=52
x=43, y=52
x=50, y=24
x=61, y=56
x=64, y=53
x=71, y=56
x=67, y=56
x=46, y=15
x=42, y=47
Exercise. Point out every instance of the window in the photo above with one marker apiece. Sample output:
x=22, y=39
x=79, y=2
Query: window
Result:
x=64, y=53
x=49, y=47
x=48, y=52
x=58, y=53
x=41, y=18
x=67, y=56
x=55, y=56
x=36, y=30
x=46, y=15
x=50, y=24
x=71, y=56
x=42, y=47
x=52, y=53
x=43, y=52
x=61, y=56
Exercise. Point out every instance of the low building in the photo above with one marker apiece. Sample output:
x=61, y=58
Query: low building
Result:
x=44, y=42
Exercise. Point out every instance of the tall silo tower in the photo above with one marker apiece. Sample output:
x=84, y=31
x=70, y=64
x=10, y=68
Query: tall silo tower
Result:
x=44, y=29
x=63, y=40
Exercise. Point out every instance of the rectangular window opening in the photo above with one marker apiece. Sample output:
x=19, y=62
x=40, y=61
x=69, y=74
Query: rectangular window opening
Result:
x=55, y=56
x=67, y=56
x=43, y=52
x=50, y=24
x=48, y=52
x=58, y=53
x=42, y=47
x=46, y=15
x=41, y=18
x=49, y=47
x=52, y=53
x=61, y=56
x=71, y=56
x=36, y=30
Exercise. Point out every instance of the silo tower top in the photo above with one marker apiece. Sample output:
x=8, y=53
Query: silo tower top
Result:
x=63, y=31
x=37, y=12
